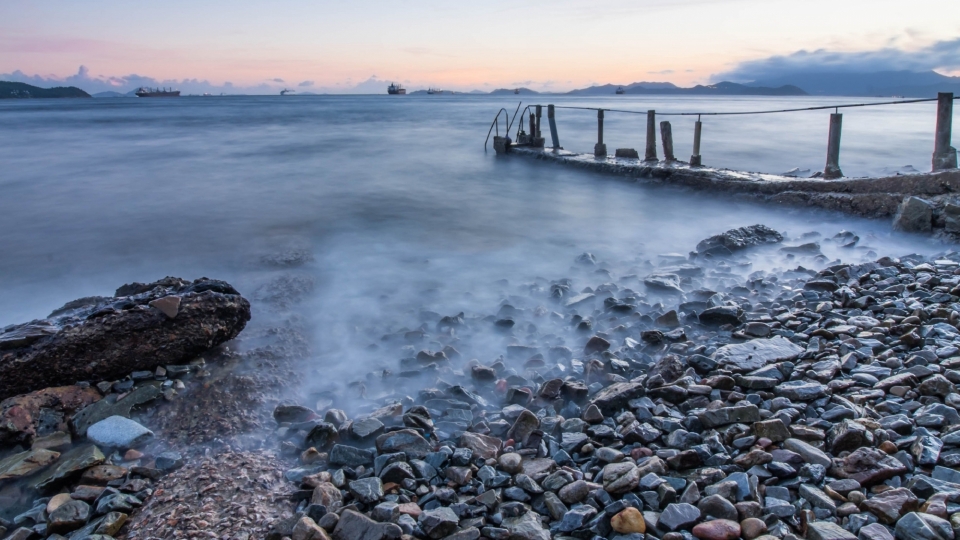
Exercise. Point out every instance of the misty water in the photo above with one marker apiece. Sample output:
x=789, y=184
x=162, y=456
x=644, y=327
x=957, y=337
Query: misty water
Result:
x=394, y=197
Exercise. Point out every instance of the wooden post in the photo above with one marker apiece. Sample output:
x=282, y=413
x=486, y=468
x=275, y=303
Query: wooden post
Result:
x=944, y=155
x=551, y=119
x=539, y=113
x=666, y=135
x=651, y=154
x=832, y=170
x=600, y=150
x=533, y=127
x=695, y=160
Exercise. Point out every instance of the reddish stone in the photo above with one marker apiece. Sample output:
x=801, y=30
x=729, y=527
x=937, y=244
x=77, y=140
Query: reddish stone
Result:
x=19, y=415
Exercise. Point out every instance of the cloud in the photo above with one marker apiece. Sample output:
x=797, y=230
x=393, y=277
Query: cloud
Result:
x=277, y=80
x=662, y=72
x=306, y=83
x=942, y=56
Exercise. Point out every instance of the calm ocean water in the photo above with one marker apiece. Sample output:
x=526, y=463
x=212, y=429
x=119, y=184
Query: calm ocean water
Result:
x=392, y=195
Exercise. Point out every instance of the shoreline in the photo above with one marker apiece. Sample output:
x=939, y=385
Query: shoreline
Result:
x=645, y=417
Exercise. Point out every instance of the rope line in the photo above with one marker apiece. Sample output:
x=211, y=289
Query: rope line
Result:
x=819, y=108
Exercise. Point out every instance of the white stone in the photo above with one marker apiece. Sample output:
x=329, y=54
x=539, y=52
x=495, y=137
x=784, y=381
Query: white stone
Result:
x=118, y=432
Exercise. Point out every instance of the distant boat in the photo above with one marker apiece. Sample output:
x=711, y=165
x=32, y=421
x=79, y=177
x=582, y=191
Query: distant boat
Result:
x=395, y=90
x=434, y=91
x=516, y=90
x=156, y=92
x=620, y=90
x=285, y=92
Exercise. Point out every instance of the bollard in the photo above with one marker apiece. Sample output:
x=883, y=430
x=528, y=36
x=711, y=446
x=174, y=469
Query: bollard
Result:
x=551, y=119
x=944, y=155
x=832, y=170
x=539, y=112
x=666, y=135
x=600, y=150
x=695, y=160
x=651, y=154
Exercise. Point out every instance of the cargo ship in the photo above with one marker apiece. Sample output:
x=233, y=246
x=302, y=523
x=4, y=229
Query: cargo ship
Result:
x=396, y=89
x=156, y=92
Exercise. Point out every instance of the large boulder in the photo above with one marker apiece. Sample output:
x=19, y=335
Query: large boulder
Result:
x=914, y=215
x=170, y=321
x=737, y=239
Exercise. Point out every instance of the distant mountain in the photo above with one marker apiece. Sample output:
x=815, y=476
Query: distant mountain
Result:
x=505, y=91
x=114, y=94
x=720, y=89
x=632, y=88
x=16, y=90
x=919, y=84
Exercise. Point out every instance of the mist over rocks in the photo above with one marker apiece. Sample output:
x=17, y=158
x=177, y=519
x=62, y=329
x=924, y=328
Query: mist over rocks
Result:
x=825, y=406
x=143, y=326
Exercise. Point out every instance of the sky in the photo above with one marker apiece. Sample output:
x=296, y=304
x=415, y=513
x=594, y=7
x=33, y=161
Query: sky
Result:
x=336, y=46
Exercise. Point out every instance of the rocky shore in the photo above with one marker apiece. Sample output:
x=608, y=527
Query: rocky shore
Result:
x=752, y=389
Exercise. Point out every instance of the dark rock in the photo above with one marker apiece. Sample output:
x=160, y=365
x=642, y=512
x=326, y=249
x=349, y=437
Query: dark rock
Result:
x=678, y=516
x=738, y=239
x=122, y=334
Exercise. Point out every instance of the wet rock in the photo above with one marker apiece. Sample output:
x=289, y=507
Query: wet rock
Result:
x=755, y=354
x=718, y=507
x=615, y=397
x=717, y=529
x=69, y=516
x=825, y=530
x=22, y=417
x=627, y=521
x=118, y=432
x=890, y=505
x=914, y=215
x=111, y=406
x=407, y=441
x=738, y=239
x=874, y=531
x=439, y=522
x=752, y=528
x=619, y=478
x=729, y=415
x=807, y=452
x=917, y=526
x=367, y=490
x=69, y=465
x=869, y=466
x=24, y=464
x=483, y=446
x=355, y=526
x=123, y=334
x=678, y=516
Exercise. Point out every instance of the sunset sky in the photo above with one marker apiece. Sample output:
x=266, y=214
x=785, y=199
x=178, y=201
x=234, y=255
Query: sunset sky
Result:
x=555, y=44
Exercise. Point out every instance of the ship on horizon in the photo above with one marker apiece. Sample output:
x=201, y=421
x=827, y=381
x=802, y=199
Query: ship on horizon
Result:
x=396, y=89
x=144, y=91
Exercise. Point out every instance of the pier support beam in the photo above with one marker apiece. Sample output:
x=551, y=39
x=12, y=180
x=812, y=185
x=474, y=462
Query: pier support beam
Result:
x=600, y=150
x=944, y=155
x=666, y=136
x=651, y=153
x=695, y=160
x=539, y=114
x=832, y=170
x=551, y=113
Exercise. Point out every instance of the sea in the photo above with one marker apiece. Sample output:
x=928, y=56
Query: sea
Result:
x=376, y=208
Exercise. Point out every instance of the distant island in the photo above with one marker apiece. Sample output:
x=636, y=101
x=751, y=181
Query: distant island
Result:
x=725, y=88
x=16, y=90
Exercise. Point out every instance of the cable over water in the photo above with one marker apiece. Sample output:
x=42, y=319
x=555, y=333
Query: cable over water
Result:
x=818, y=108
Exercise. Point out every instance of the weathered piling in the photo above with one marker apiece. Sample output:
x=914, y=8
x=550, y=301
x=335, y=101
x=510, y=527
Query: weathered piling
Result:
x=539, y=113
x=944, y=155
x=695, y=160
x=533, y=127
x=600, y=150
x=551, y=119
x=832, y=169
x=651, y=153
x=666, y=135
